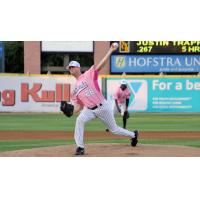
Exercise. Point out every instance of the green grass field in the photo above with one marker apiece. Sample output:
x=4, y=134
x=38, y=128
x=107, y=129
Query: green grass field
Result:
x=53, y=122
x=58, y=122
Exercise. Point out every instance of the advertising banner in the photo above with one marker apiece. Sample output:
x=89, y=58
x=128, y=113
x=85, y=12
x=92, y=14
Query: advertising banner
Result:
x=154, y=63
x=1, y=57
x=1, y=49
x=160, y=94
x=35, y=93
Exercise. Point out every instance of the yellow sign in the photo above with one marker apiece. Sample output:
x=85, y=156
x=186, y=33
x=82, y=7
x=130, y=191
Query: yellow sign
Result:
x=120, y=61
x=124, y=46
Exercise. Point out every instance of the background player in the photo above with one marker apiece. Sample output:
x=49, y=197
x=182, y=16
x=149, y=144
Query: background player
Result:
x=121, y=97
x=88, y=98
x=121, y=101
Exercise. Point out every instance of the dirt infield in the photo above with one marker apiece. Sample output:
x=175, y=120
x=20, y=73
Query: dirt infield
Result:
x=29, y=135
x=109, y=150
x=102, y=150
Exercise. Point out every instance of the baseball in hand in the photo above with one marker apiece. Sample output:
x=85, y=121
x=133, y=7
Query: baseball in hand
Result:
x=115, y=45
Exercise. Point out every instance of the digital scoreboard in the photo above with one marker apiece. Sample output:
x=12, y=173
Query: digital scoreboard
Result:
x=180, y=57
x=158, y=47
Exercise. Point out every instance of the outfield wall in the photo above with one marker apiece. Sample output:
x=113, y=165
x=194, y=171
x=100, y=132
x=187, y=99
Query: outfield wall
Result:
x=43, y=93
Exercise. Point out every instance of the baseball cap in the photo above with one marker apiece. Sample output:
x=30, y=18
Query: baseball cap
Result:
x=123, y=82
x=74, y=64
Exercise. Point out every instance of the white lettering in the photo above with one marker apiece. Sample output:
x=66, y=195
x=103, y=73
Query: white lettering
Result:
x=154, y=61
x=161, y=85
x=192, y=86
x=189, y=61
x=178, y=86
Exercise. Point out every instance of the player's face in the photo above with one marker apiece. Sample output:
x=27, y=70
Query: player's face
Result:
x=123, y=86
x=74, y=70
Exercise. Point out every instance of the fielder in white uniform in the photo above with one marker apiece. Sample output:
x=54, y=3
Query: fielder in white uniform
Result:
x=89, y=100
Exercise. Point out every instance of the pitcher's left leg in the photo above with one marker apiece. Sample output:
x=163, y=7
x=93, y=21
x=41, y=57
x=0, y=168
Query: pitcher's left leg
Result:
x=85, y=116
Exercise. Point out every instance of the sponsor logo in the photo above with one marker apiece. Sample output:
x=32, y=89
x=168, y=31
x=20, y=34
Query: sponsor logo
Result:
x=124, y=46
x=120, y=61
x=138, y=89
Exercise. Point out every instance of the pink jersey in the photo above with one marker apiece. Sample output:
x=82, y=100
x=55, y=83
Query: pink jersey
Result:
x=87, y=91
x=121, y=95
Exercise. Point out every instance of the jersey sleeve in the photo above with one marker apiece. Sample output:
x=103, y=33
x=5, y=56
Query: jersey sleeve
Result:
x=91, y=73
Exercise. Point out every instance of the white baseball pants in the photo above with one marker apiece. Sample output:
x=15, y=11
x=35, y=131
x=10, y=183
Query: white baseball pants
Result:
x=105, y=114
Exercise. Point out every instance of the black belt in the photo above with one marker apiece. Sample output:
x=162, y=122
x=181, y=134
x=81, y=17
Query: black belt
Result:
x=95, y=107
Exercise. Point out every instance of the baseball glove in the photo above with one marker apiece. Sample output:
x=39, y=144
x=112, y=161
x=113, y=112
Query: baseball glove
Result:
x=126, y=114
x=67, y=108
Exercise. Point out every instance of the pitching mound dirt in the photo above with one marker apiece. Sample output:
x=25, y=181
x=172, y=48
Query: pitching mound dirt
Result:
x=109, y=150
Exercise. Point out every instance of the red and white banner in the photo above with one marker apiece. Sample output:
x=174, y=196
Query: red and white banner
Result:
x=34, y=93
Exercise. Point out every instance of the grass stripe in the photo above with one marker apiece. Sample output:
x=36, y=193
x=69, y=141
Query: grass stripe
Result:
x=58, y=122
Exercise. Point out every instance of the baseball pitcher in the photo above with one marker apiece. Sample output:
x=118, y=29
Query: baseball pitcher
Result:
x=88, y=99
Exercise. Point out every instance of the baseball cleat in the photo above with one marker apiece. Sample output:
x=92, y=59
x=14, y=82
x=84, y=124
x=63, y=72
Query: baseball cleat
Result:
x=79, y=151
x=134, y=140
